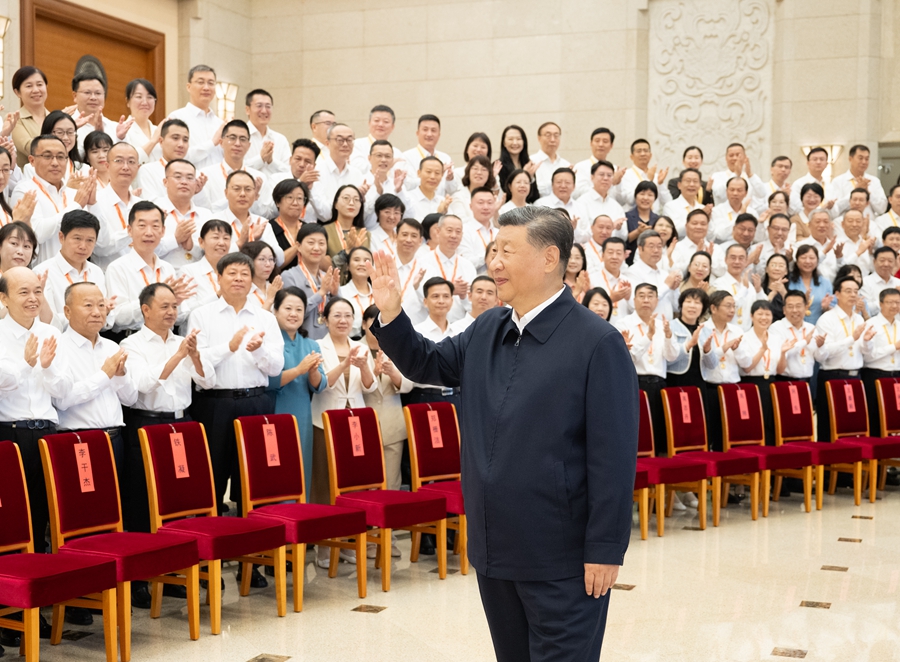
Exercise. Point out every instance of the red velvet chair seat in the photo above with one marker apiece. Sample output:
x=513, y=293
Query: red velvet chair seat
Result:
x=669, y=470
x=876, y=448
x=640, y=478
x=39, y=580
x=732, y=463
x=309, y=522
x=137, y=555
x=393, y=509
x=836, y=452
x=451, y=490
x=780, y=457
x=227, y=537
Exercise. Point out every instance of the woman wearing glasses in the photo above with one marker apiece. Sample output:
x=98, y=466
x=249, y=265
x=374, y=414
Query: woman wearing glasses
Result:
x=265, y=283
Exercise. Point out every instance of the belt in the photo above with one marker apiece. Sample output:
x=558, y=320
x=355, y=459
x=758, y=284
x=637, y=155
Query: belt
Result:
x=158, y=414
x=38, y=424
x=110, y=431
x=650, y=378
x=886, y=373
x=437, y=391
x=232, y=393
x=837, y=374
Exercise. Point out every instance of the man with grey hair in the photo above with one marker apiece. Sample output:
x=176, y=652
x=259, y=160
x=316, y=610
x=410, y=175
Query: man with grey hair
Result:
x=826, y=241
x=319, y=124
x=203, y=123
x=335, y=170
x=548, y=498
x=647, y=268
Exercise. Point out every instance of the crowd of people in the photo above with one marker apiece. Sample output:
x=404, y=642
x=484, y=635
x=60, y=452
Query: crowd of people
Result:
x=213, y=269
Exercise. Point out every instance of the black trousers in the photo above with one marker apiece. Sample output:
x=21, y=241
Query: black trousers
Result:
x=27, y=441
x=653, y=386
x=713, y=418
x=552, y=621
x=823, y=418
x=869, y=377
x=135, y=504
x=217, y=416
x=422, y=395
x=765, y=399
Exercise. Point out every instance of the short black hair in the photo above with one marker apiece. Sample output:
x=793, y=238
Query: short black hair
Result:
x=691, y=148
x=738, y=178
x=41, y=138
x=78, y=219
x=430, y=158
x=696, y=212
x=603, y=129
x=887, y=292
x=200, y=68
x=234, y=258
x=389, y=201
x=815, y=187
x=594, y=167
x=839, y=282
x=781, y=158
x=794, y=293
x=258, y=91
x=760, y=305
x=235, y=173
x=694, y=293
x=864, y=191
x=647, y=286
x=857, y=148
x=428, y=118
x=132, y=86
x=380, y=143
x=86, y=75
x=381, y=108
x=746, y=218
x=645, y=185
x=483, y=278
x=686, y=171
x=240, y=124
x=889, y=231
x=331, y=304
x=884, y=249
x=174, y=161
x=435, y=281
x=215, y=224
x=816, y=150
x=639, y=141
x=308, y=144
x=168, y=124
x=562, y=171
x=307, y=229
x=315, y=115
x=149, y=293
x=610, y=241
x=145, y=205
x=286, y=187
x=413, y=223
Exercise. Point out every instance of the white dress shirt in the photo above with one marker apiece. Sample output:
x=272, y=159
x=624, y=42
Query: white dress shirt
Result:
x=840, y=351
x=543, y=176
x=268, y=234
x=625, y=190
x=527, y=318
x=721, y=221
x=593, y=205
x=641, y=272
x=218, y=322
x=114, y=240
x=380, y=241
x=418, y=206
x=828, y=263
x=409, y=295
x=429, y=329
x=476, y=239
x=343, y=393
x=677, y=210
x=169, y=249
x=800, y=360
x=583, y=183
x=359, y=159
x=413, y=158
x=873, y=284
x=798, y=184
x=576, y=211
x=206, y=283
x=593, y=253
x=851, y=255
x=330, y=180
x=61, y=274
x=150, y=179
x=755, y=186
x=649, y=355
x=203, y=126
x=718, y=257
x=281, y=152
x=767, y=366
x=881, y=352
x=743, y=298
x=841, y=186
x=437, y=264
x=109, y=128
x=684, y=251
x=148, y=355
x=212, y=196
x=359, y=302
x=126, y=278
x=49, y=208
x=138, y=139
x=90, y=399
x=25, y=391
x=719, y=366
x=768, y=250
x=883, y=222
x=461, y=325
x=761, y=198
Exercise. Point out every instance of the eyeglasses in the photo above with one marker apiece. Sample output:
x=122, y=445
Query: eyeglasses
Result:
x=89, y=93
x=231, y=138
x=61, y=158
x=294, y=199
x=59, y=133
x=129, y=162
x=346, y=199
x=265, y=260
x=5, y=171
x=342, y=141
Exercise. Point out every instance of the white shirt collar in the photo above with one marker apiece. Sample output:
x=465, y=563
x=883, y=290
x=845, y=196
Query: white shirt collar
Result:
x=522, y=322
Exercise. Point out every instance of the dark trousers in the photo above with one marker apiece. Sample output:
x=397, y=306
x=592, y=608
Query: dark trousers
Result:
x=869, y=377
x=765, y=399
x=217, y=415
x=419, y=396
x=823, y=418
x=27, y=441
x=552, y=621
x=135, y=504
x=653, y=386
x=713, y=418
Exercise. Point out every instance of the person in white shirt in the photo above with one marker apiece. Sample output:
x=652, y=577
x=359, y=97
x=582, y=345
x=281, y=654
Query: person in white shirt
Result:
x=439, y=297
x=796, y=337
x=215, y=241
x=428, y=133
x=563, y=184
x=743, y=232
x=382, y=178
x=816, y=164
x=164, y=367
x=89, y=95
x=547, y=160
x=602, y=140
x=426, y=198
x=480, y=231
x=884, y=263
x=478, y=173
x=77, y=237
x=51, y=196
x=745, y=289
x=174, y=140
x=841, y=354
x=840, y=187
x=778, y=229
x=269, y=150
x=696, y=229
x=302, y=164
x=738, y=165
x=114, y=204
x=235, y=144
x=381, y=126
x=612, y=277
x=681, y=207
x=724, y=215
x=97, y=381
x=599, y=199
x=140, y=100
x=892, y=217
x=824, y=238
x=240, y=191
x=319, y=123
x=780, y=171
x=358, y=290
x=127, y=276
x=857, y=249
x=335, y=171
x=179, y=245
x=627, y=179
x=881, y=357
x=310, y=276
x=389, y=211
x=645, y=269
x=483, y=295
x=204, y=125
x=244, y=345
x=859, y=201
x=519, y=186
x=447, y=261
x=411, y=267
x=719, y=339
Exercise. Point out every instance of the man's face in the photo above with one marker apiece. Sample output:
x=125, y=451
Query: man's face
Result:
x=259, y=112
x=820, y=226
x=696, y=228
x=240, y=193
x=743, y=233
x=689, y=185
x=781, y=171
x=600, y=146
x=795, y=310
x=428, y=133
x=848, y=294
x=320, y=126
x=381, y=125
x=858, y=201
x=816, y=164
x=340, y=142
x=450, y=235
x=613, y=257
x=162, y=311
x=736, y=191
x=439, y=301
x=893, y=241
x=483, y=296
x=736, y=261
x=641, y=155
x=408, y=239
x=50, y=161
x=651, y=251
x=302, y=159
x=853, y=223
x=236, y=142
x=890, y=307
x=733, y=157
x=859, y=162
x=86, y=310
x=146, y=230
x=645, y=301
x=180, y=181
x=430, y=174
x=602, y=229
x=549, y=138
x=884, y=264
x=602, y=179
x=123, y=164
x=482, y=206
x=202, y=88
x=381, y=158
x=778, y=231
x=236, y=280
x=563, y=185
x=26, y=295
x=78, y=245
x=90, y=96
x=175, y=143
x=895, y=201
x=519, y=268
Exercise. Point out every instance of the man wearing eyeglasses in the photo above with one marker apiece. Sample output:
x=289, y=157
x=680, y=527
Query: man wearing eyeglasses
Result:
x=89, y=94
x=319, y=123
x=335, y=170
x=205, y=126
x=114, y=204
x=235, y=145
x=180, y=245
x=269, y=150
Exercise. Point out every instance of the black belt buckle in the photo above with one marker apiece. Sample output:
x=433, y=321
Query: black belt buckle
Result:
x=39, y=424
x=241, y=392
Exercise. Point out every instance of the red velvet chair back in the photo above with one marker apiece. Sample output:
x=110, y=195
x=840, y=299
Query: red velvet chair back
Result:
x=889, y=406
x=175, y=492
x=847, y=404
x=430, y=461
x=15, y=513
x=268, y=477
x=348, y=471
x=792, y=404
x=685, y=419
x=70, y=473
x=742, y=418
x=645, y=428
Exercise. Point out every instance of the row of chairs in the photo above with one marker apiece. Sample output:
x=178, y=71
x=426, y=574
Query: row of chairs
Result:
x=746, y=460
x=94, y=561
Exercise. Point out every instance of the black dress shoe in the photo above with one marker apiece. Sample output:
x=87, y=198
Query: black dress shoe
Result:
x=79, y=616
x=893, y=477
x=735, y=499
x=45, y=628
x=427, y=546
x=256, y=578
x=451, y=540
x=140, y=595
x=11, y=638
x=270, y=569
x=175, y=591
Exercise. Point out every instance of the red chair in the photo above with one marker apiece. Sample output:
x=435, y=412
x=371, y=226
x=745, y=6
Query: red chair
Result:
x=792, y=404
x=356, y=479
x=268, y=479
x=29, y=581
x=434, y=461
x=86, y=518
x=183, y=504
x=686, y=437
x=850, y=422
x=743, y=429
x=665, y=473
x=888, y=390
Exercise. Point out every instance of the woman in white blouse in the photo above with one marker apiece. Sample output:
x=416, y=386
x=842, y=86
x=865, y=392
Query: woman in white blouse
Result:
x=350, y=370
x=519, y=186
x=719, y=339
x=358, y=290
x=143, y=135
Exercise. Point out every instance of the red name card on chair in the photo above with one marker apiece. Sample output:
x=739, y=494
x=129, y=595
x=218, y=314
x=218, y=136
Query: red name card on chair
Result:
x=356, y=439
x=897, y=394
x=272, y=457
x=434, y=424
x=179, y=457
x=742, y=405
x=795, y=399
x=851, y=401
x=85, y=471
x=685, y=408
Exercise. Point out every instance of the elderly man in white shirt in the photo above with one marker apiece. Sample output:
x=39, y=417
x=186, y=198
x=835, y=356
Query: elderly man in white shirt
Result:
x=681, y=207
x=428, y=133
x=645, y=269
x=205, y=126
x=745, y=289
x=884, y=263
x=857, y=248
x=823, y=237
x=174, y=142
x=738, y=165
x=89, y=94
x=602, y=140
x=269, y=150
x=696, y=229
x=114, y=204
x=447, y=261
x=840, y=187
x=547, y=159
x=780, y=171
x=381, y=126
x=800, y=354
x=611, y=275
x=816, y=163
x=724, y=215
x=743, y=232
x=335, y=170
x=599, y=200
x=627, y=179
x=563, y=184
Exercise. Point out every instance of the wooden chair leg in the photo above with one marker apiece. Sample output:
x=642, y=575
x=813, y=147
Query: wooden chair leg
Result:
x=643, y=503
x=56, y=630
x=873, y=474
x=701, y=505
x=670, y=504
x=462, y=537
x=857, y=483
x=298, y=570
x=110, y=631
x=832, y=481
x=456, y=538
x=215, y=596
x=361, y=565
x=882, y=476
x=754, y=496
x=384, y=550
x=807, y=488
x=156, y=590
x=246, y=572
x=820, y=485
x=31, y=637
x=777, y=493
x=414, y=548
x=660, y=509
x=123, y=605
x=192, y=581
x=723, y=499
x=278, y=556
x=766, y=483
x=333, y=560
x=441, y=547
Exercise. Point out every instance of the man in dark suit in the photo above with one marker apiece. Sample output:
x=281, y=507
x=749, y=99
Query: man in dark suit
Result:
x=549, y=440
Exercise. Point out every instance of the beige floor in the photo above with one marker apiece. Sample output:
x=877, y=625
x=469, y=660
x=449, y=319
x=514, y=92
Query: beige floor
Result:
x=731, y=594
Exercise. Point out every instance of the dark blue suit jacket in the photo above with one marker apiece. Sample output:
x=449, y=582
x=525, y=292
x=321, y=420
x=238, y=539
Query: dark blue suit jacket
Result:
x=549, y=428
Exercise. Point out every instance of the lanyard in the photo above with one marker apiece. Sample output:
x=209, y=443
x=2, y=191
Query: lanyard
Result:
x=491, y=236
x=121, y=218
x=52, y=201
x=212, y=282
x=852, y=327
x=258, y=298
x=144, y=276
x=359, y=303
x=608, y=288
x=412, y=270
x=640, y=175
x=892, y=341
x=311, y=283
x=291, y=240
x=441, y=266
x=190, y=216
x=6, y=218
x=84, y=277
x=649, y=351
x=794, y=336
